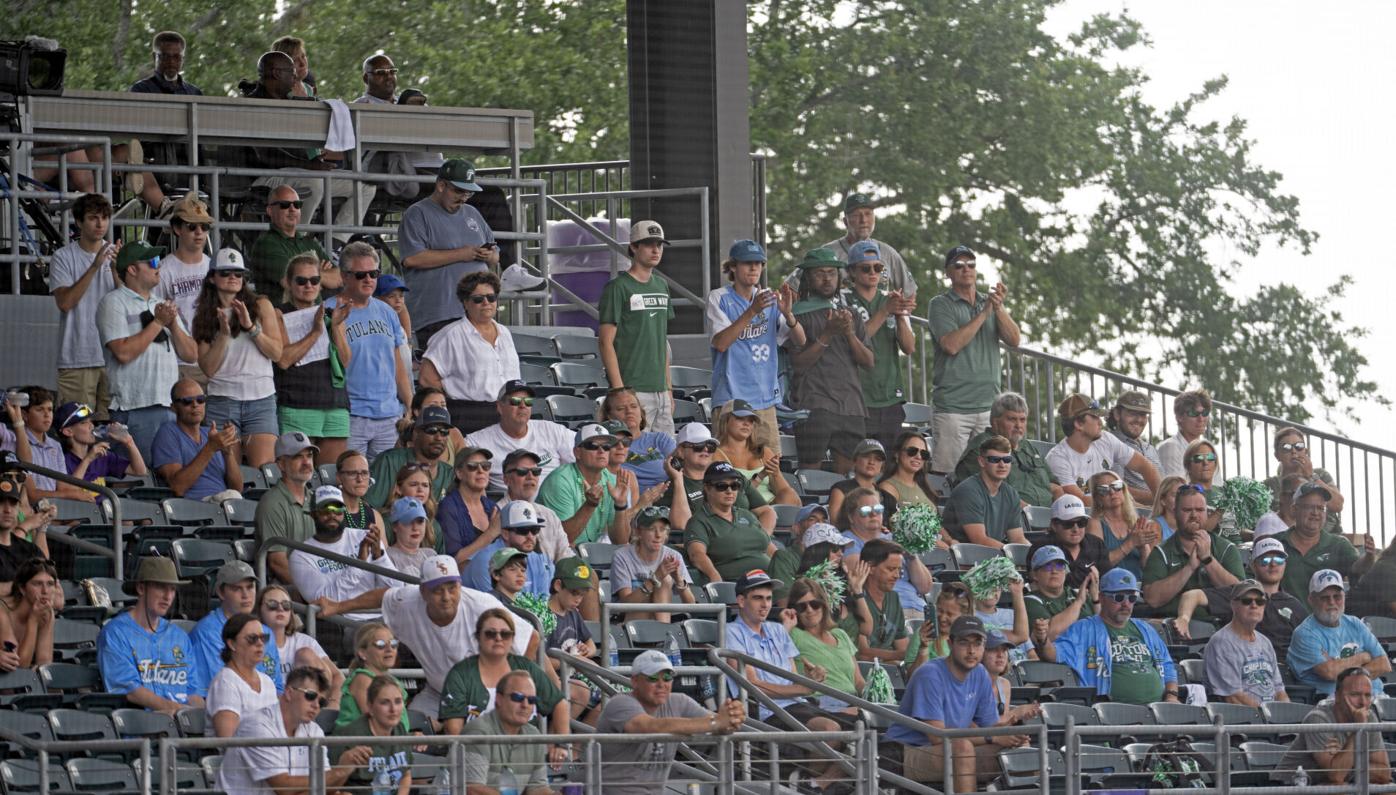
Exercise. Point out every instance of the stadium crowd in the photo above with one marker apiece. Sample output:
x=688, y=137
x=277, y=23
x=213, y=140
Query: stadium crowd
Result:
x=394, y=417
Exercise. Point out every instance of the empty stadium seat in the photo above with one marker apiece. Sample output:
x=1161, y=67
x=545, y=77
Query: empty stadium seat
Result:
x=195, y=557
x=686, y=411
x=76, y=725
x=131, y=723
x=134, y=511
x=22, y=775
x=70, y=510
x=28, y=725
x=686, y=378
x=22, y=690
x=721, y=593
x=190, y=513
x=240, y=512
x=578, y=374
x=938, y=560
x=1166, y=713
x=599, y=554
x=651, y=634
x=701, y=632
x=570, y=410
x=1037, y=517
x=967, y=555
x=101, y=775
x=917, y=416
x=1018, y=553
x=817, y=482
x=576, y=346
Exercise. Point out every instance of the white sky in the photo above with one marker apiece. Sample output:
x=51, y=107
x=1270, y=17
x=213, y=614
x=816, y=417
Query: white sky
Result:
x=1313, y=81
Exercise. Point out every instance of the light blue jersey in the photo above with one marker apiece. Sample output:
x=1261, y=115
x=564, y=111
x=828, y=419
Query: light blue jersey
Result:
x=750, y=368
x=374, y=334
x=206, y=642
x=130, y=658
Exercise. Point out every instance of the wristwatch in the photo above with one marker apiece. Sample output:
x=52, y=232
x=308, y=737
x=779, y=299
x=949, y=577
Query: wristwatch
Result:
x=1205, y=562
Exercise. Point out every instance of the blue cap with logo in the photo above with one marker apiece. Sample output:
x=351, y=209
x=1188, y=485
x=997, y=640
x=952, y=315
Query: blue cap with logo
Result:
x=864, y=251
x=1119, y=581
x=407, y=510
x=1047, y=554
x=387, y=283
x=747, y=251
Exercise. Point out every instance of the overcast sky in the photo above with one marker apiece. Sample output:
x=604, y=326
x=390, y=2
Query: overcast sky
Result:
x=1313, y=81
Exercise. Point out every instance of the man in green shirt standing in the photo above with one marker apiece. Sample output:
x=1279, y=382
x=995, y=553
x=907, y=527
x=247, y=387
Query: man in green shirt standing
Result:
x=1309, y=549
x=888, y=328
x=275, y=247
x=634, y=332
x=1191, y=557
x=967, y=327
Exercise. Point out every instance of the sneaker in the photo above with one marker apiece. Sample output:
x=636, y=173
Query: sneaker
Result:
x=517, y=280
x=167, y=208
x=135, y=156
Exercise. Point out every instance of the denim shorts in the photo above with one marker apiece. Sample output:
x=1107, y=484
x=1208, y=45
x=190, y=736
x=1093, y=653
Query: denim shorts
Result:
x=249, y=416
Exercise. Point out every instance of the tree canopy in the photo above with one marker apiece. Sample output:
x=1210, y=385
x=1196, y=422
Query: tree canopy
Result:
x=1109, y=217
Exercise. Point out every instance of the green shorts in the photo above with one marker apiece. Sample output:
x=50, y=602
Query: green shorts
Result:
x=315, y=423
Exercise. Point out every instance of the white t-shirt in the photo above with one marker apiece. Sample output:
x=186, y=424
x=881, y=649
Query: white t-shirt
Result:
x=551, y=441
x=628, y=571
x=439, y=648
x=292, y=646
x=245, y=770
x=228, y=692
x=1069, y=466
x=315, y=576
x=180, y=282
x=80, y=344
x=470, y=367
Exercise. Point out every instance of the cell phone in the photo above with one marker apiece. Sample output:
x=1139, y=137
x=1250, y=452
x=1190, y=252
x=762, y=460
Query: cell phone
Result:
x=10, y=646
x=676, y=463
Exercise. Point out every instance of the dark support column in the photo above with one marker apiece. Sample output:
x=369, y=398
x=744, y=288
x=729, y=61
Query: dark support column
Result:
x=689, y=127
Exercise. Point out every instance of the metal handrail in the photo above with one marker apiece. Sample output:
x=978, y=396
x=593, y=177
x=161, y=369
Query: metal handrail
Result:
x=63, y=477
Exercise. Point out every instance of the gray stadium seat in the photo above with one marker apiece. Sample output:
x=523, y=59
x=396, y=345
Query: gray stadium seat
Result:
x=1166, y=713
x=1038, y=517
x=240, y=512
x=1114, y=713
x=817, y=482
x=690, y=378
x=1233, y=714
x=536, y=374
x=721, y=593
x=134, y=512
x=576, y=346
x=77, y=510
x=76, y=725
x=22, y=775
x=1263, y=756
x=190, y=513
x=578, y=374
x=598, y=554
x=138, y=723
x=686, y=411
x=917, y=416
x=101, y=775
x=192, y=721
x=570, y=410
x=1018, y=553
x=967, y=555
x=195, y=557
x=701, y=632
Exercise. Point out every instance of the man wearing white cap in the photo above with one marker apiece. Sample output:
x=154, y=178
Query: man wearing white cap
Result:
x=436, y=619
x=1283, y=611
x=1084, y=552
x=1330, y=641
x=694, y=452
x=335, y=586
x=519, y=526
x=584, y=493
x=635, y=315
x=651, y=707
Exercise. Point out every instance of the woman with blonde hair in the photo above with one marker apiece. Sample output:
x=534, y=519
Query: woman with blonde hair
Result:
x=738, y=432
x=375, y=653
x=293, y=645
x=1163, y=504
x=1129, y=538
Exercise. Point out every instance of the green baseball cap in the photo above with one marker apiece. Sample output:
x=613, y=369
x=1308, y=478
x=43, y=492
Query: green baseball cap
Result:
x=574, y=573
x=460, y=173
x=820, y=258
x=502, y=557
x=856, y=200
x=617, y=429
x=131, y=253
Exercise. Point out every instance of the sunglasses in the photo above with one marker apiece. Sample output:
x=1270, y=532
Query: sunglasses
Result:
x=416, y=467
x=524, y=471
x=260, y=639
x=476, y=466
x=1079, y=523
x=526, y=531
x=437, y=430
x=662, y=676
x=875, y=267
x=1194, y=413
x=999, y=459
x=497, y=634
x=594, y=446
x=705, y=447
x=302, y=281
x=1271, y=560
x=361, y=275
x=228, y=273
x=518, y=400
x=383, y=72
x=726, y=485
x=1109, y=488
x=484, y=298
x=312, y=695
x=285, y=205
x=869, y=510
x=277, y=604
x=1121, y=598
x=1056, y=565
x=1253, y=601
x=332, y=510
x=381, y=644
x=1192, y=487
x=82, y=412
x=1294, y=447
x=917, y=452
x=196, y=400
x=200, y=227
x=519, y=698
x=962, y=264
x=811, y=604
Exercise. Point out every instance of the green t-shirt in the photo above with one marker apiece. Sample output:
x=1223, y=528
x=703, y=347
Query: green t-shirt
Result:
x=1030, y=476
x=270, y=254
x=1133, y=677
x=1331, y=552
x=748, y=499
x=885, y=383
x=349, y=708
x=1044, y=607
x=564, y=492
x=968, y=381
x=641, y=314
x=396, y=759
x=463, y=695
x=838, y=660
x=888, y=622
x=784, y=565
x=735, y=547
x=1169, y=556
x=971, y=503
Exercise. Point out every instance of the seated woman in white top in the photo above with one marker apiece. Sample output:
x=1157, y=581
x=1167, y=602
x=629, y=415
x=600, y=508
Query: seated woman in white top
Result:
x=472, y=358
x=296, y=648
x=239, y=688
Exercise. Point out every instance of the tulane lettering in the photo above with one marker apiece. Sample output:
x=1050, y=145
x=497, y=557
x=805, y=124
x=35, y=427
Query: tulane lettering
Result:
x=755, y=331
x=158, y=673
x=364, y=328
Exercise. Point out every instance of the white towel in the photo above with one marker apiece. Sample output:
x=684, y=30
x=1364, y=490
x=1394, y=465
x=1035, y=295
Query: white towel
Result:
x=341, y=135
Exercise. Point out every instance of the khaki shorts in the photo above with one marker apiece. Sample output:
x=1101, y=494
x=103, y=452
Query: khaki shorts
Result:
x=85, y=385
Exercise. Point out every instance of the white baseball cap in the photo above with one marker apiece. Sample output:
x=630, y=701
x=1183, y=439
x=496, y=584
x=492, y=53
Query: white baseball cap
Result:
x=651, y=662
x=1324, y=579
x=439, y=569
x=1266, y=546
x=1067, y=508
x=822, y=533
x=694, y=433
x=228, y=259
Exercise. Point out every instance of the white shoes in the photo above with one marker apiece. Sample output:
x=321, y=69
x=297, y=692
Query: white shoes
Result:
x=517, y=280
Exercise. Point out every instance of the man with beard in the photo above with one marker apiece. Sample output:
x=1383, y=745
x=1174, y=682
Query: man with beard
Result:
x=1128, y=421
x=1331, y=754
x=1190, y=558
x=1283, y=611
x=1087, y=449
x=1330, y=641
x=1120, y=656
x=1310, y=549
x=334, y=586
x=823, y=368
x=429, y=437
x=1031, y=477
x=282, y=513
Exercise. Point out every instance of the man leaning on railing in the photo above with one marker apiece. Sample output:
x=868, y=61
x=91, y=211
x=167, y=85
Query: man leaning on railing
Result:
x=1328, y=756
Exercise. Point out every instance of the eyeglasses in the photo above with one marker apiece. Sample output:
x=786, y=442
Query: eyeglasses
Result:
x=228, y=273
x=380, y=644
x=594, y=446
x=357, y=474
x=1194, y=413
x=260, y=639
x=999, y=459
x=705, y=447
x=476, y=466
x=1253, y=601
x=497, y=634
x=1121, y=598
x=523, y=471
x=962, y=264
x=1080, y=522
x=917, y=452
x=526, y=531
x=810, y=604
x=1202, y=458
x=416, y=467
x=1054, y=566
x=361, y=275
x=518, y=400
x=662, y=676
x=869, y=510
x=1297, y=447
x=199, y=227
x=302, y=281
x=383, y=72
x=195, y=400
x=332, y=510
x=1271, y=560
x=484, y=298
x=286, y=205
x=872, y=267
x=519, y=698
x=1109, y=488
x=437, y=430
x=277, y=604
x=311, y=695
x=726, y=485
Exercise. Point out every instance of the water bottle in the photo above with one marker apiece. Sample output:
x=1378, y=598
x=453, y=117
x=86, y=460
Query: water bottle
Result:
x=508, y=785
x=1301, y=778
x=383, y=783
x=443, y=782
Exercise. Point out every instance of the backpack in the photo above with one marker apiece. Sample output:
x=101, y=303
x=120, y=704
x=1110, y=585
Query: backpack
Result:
x=1175, y=765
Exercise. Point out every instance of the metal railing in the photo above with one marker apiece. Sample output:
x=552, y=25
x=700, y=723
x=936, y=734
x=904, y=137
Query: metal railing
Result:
x=114, y=554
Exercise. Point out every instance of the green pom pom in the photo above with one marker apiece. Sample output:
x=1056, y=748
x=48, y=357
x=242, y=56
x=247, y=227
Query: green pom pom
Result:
x=916, y=527
x=987, y=576
x=877, y=686
x=826, y=574
x=1246, y=499
x=538, y=606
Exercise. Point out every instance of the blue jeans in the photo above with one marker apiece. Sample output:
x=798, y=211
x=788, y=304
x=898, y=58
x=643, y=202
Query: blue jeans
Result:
x=143, y=423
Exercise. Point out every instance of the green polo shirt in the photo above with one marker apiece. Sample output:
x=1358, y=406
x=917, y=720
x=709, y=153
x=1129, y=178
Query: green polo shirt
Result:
x=1331, y=552
x=884, y=384
x=463, y=695
x=1169, y=556
x=1045, y=607
x=279, y=515
x=270, y=254
x=967, y=382
x=888, y=623
x=384, y=471
x=1031, y=477
x=735, y=547
x=1332, y=523
x=564, y=491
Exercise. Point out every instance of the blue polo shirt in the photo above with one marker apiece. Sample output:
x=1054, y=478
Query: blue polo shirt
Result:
x=935, y=694
x=173, y=446
x=771, y=644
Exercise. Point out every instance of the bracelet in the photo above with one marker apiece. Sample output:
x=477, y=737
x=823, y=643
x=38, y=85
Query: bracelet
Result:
x=255, y=331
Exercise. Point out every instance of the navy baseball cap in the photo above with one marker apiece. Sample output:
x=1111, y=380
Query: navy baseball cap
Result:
x=747, y=251
x=387, y=283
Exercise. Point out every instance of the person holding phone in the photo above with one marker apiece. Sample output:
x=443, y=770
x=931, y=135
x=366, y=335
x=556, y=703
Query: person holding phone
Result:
x=739, y=431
